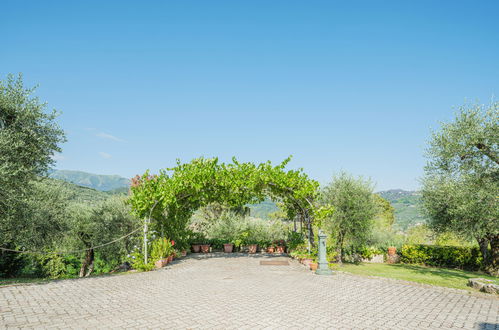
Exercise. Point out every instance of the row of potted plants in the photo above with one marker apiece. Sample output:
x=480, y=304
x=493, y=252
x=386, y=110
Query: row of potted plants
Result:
x=279, y=247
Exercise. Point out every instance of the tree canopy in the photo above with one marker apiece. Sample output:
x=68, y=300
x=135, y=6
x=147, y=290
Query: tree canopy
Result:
x=29, y=137
x=461, y=182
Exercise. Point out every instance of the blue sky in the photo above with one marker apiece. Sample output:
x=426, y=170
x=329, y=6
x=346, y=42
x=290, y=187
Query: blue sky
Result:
x=352, y=86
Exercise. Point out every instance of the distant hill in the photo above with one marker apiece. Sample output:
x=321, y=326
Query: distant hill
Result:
x=82, y=194
x=94, y=181
x=263, y=209
x=407, y=206
x=94, y=187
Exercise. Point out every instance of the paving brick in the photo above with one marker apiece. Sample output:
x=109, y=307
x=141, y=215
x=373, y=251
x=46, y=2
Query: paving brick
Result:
x=222, y=291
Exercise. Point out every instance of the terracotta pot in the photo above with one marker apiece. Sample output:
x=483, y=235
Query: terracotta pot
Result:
x=252, y=248
x=184, y=253
x=228, y=247
x=281, y=249
x=161, y=263
x=170, y=258
x=205, y=248
x=196, y=248
x=270, y=249
x=313, y=266
x=392, y=251
x=307, y=262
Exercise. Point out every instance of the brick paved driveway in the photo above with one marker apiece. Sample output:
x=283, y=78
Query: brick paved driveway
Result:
x=237, y=292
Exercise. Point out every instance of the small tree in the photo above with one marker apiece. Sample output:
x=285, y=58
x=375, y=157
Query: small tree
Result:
x=103, y=223
x=461, y=179
x=354, y=210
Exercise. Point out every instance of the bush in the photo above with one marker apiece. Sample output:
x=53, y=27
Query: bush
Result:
x=468, y=258
x=11, y=263
x=241, y=230
x=56, y=266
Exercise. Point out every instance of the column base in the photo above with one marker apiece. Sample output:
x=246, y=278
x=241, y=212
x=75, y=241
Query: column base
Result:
x=324, y=270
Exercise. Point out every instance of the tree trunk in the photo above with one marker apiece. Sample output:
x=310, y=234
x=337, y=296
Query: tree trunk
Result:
x=483, y=243
x=88, y=263
x=311, y=239
x=493, y=266
x=339, y=249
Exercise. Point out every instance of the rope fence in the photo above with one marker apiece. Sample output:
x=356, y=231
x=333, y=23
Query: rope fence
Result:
x=74, y=251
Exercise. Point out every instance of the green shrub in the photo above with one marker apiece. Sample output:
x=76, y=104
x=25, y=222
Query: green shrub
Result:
x=294, y=240
x=56, y=266
x=413, y=254
x=137, y=261
x=442, y=256
x=230, y=227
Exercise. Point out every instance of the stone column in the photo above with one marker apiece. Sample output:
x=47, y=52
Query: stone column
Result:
x=323, y=268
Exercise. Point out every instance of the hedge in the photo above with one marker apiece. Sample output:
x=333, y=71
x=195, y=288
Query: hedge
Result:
x=468, y=258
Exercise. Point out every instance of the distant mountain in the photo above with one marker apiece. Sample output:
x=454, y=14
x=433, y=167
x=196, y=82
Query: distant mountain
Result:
x=407, y=205
x=94, y=181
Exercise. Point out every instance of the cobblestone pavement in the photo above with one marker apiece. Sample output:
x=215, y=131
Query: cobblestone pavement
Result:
x=238, y=293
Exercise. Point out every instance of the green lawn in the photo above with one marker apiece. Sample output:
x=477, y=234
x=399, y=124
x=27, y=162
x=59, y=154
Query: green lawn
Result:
x=451, y=278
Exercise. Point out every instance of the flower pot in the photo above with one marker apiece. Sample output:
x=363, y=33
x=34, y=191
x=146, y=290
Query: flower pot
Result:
x=307, y=262
x=170, y=258
x=392, y=251
x=313, y=266
x=196, y=248
x=161, y=263
x=228, y=247
x=252, y=248
x=281, y=249
x=184, y=253
x=205, y=248
x=270, y=249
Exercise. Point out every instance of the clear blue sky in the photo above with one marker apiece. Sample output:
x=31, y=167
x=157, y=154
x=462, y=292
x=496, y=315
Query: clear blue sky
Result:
x=348, y=85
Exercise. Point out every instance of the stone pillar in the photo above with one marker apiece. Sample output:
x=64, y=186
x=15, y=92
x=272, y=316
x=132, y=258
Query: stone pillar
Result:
x=323, y=268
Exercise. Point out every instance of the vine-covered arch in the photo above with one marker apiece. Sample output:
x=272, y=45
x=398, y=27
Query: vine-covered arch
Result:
x=176, y=193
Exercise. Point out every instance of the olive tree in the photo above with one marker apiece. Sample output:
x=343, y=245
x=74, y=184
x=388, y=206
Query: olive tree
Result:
x=461, y=180
x=354, y=210
x=29, y=138
x=90, y=226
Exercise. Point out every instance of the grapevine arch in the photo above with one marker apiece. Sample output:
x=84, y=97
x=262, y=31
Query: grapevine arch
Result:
x=176, y=193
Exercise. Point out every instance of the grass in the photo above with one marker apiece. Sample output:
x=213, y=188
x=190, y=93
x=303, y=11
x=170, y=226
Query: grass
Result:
x=450, y=278
x=22, y=280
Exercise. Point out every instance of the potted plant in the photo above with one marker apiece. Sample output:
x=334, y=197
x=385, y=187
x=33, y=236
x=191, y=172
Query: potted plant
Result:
x=196, y=241
x=270, y=249
x=205, y=246
x=252, y=247
x=392, y=250
x=228, y=247
x=281, y=246
x=161, y=250
x=308, y=258
x=307, y=261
